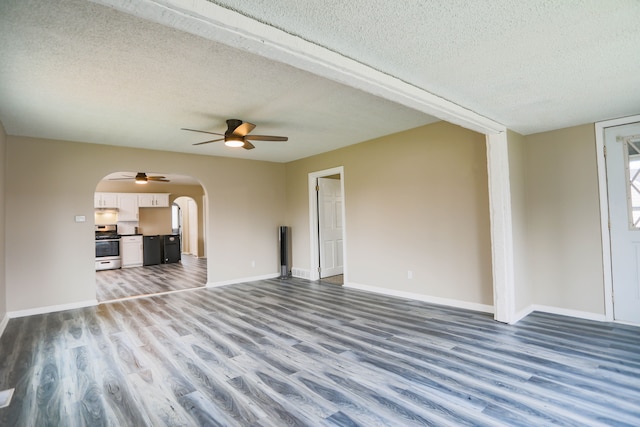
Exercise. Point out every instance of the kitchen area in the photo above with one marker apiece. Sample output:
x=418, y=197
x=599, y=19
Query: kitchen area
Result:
x=148, y=239
x=133, y=230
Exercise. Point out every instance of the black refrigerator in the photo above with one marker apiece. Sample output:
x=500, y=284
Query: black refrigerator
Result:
x=151, y=250
x=171, y=248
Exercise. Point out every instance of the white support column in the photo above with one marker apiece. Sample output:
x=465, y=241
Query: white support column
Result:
x=501, y=227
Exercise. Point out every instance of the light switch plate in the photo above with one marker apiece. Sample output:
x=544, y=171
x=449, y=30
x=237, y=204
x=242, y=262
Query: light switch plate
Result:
x=81, y=218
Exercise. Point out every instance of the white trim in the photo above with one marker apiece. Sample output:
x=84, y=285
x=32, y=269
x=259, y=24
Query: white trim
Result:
x=604, y=209
x=560, y=311
x=424, y=298
x=314, y=256
x=242, y=280
x=624, y=322
x=157, y=294
x=3, y=323
x=501, y=227
x=205, y=223
x=568, y=312
x=52, y=308
x=518, y=316
x=208, y=20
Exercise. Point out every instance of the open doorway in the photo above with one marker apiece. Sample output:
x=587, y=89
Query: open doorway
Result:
x=156, y=241
x=327, y=224
x=185, y=218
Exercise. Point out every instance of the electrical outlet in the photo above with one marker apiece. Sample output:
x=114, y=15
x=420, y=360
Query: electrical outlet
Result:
x=253, y=264
x=409, y=274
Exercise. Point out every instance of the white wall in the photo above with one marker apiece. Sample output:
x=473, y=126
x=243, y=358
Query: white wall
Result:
x=51, y=261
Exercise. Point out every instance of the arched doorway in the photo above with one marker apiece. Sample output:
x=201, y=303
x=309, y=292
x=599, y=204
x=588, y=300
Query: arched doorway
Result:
x=151, y=257
x=185, y=222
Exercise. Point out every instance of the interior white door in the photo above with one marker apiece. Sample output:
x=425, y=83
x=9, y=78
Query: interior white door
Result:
x=330, y=227
x=622, y=145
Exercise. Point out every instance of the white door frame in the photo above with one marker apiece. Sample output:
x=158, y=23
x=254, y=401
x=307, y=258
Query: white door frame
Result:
x=604, y=210
x=314, y=253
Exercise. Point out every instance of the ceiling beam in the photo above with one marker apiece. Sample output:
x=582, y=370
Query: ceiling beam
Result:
x=208, y=20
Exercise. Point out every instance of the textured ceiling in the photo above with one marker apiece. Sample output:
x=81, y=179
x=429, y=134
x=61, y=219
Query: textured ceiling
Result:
x=532, y=65
x=83, y=71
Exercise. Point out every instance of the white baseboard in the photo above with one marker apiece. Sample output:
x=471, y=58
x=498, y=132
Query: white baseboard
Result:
x=568, y=312
x=424, y=298
x=242, y=280
x=3, y=323
x=52, y=308
x=522, y=314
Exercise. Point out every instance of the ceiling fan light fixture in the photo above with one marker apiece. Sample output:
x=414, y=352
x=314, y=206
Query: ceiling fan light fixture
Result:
x=141, y=178
x=234, y=142
x=237, y=135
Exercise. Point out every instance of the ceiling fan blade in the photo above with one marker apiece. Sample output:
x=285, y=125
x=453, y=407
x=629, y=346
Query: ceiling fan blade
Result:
x=206, y=142
x=239, y=128
x=232, y=125
x=156, y=178
x=202, y=131
x=266, y=138
x=121, y=179
x=248, y=146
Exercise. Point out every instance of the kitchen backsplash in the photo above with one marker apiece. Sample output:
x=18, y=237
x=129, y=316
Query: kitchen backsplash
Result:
x=127, y=227
x=106, y=217
x=152, y=221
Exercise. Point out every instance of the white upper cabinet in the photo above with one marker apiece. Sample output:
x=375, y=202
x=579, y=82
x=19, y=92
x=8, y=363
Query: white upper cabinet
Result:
x=153, y=200
x=105, y=200
x=127, y=207
x=128, y=203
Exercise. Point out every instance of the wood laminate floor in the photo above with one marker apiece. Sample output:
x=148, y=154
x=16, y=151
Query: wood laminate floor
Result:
x=298, y=353
x=189, y=273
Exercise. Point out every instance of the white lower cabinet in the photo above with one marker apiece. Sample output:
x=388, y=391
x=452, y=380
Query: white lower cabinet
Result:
x=131, y=251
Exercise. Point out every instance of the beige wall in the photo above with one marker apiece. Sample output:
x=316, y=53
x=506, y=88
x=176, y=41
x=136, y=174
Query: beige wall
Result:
x=416, y=200
x=3, y=285
x=51, y=261
x=158, y=220
x=155, y=221
x=563, y=220
x=517, y=182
